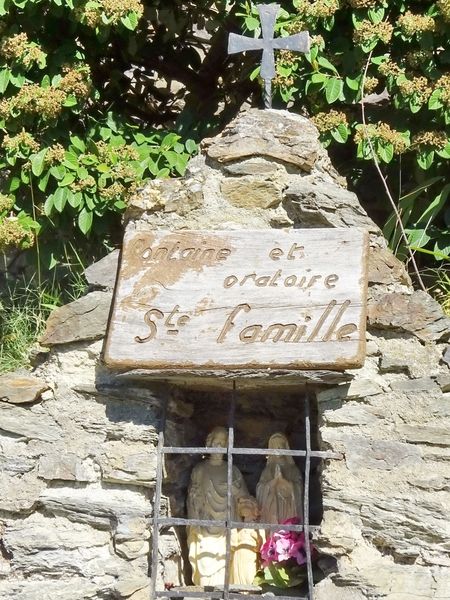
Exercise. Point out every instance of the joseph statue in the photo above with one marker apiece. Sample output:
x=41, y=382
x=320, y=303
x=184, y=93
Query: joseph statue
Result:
x=207, y=499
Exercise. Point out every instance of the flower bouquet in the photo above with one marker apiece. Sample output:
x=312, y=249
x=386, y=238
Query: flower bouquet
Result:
x=283, y=558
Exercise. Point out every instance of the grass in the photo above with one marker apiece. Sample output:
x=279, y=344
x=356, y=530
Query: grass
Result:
x=24, y=309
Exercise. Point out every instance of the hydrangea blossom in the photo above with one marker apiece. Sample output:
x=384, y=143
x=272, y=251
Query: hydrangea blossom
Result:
x=284, y=545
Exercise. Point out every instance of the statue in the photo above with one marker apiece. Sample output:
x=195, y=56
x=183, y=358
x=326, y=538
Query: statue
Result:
x=207, y=499
x=280, y=488
x=245, y=544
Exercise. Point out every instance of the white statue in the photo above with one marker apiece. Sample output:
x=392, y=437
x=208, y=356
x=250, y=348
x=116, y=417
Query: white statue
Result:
x=207, y=499
x=246, y=544
x=280, y=488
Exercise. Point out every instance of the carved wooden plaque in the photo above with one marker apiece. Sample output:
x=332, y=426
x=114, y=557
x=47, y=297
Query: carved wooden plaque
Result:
x=293, y=299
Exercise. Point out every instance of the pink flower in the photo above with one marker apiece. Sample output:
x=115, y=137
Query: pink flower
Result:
x=268, y=552
x=283, y=545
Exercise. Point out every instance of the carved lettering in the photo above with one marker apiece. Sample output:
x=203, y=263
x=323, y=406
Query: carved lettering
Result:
x=295, y=248
x=250, y=334
x=290, y=281
x=344, y=332
x=336, y=320
x=223, y=253
x=275, y=253
x=331, y=280
x=290, y=329
x=229, y=323
x=230, y=281
x=151, y=324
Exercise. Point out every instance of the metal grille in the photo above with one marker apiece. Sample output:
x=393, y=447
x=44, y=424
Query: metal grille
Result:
x=227, y=591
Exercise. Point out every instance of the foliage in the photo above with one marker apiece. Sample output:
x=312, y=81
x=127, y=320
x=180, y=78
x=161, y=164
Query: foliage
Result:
x=97, y=96
x=393, y=57
x=72, y=157
x=24, y=308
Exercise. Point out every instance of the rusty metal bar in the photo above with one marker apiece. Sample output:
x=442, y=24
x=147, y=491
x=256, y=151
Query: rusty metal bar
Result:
x=157, y=498
x=169, y=521
x=253, y=451
x=231, y=414
x=306, y=499
x=218, y=594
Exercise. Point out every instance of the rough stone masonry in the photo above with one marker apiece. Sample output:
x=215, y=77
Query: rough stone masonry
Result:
x=78, y=441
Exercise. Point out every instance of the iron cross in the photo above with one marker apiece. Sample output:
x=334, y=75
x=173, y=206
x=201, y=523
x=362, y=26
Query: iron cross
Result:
x=240, y=43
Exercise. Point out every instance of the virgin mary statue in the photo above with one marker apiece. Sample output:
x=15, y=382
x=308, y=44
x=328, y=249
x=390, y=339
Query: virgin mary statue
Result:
x=279, y=492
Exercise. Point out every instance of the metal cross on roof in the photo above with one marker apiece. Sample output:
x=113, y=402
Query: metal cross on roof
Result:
x=240, y=43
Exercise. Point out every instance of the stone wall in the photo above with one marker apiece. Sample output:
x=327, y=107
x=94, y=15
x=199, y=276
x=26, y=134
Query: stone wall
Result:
x=78, y=441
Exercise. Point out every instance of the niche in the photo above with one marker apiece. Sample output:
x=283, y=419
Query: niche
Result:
x=258, y=413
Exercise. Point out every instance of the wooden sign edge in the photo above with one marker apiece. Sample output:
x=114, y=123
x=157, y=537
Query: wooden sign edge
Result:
x=355, y=362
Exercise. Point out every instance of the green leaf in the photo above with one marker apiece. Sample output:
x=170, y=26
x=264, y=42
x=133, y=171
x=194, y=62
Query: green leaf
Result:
x=37, y=162
x=4, y=79
x=434, y=208
x=340, y=133
x=68, y=178
x=43, y=181
x=14, y=184
x=191, y=146
x=385, y=152
x=78, y=143
x=353, y=84
x=130, y=21
x=48, y=206
x=71, y=160
x=59, y=199
x=333, y=89
x=417, y=237
x=325, y=63
x=75, y=199
x=425, y=159
x=434, y=102
x=445, y=152
x=85, y=221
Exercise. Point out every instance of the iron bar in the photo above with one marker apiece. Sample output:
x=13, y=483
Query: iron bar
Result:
x=157, y=498
x=231, y=414
x=306, y=499
x=324, y=454
x=218, y=594
x=175, y=521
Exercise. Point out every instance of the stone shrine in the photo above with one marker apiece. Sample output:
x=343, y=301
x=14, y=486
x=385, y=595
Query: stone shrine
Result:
x=78, y=439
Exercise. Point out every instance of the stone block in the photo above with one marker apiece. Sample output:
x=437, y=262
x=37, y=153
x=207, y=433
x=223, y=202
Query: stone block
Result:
x=28, y=423
x=83, y=319
x=128, y=464
x=66, y=466
x=443, y=381
x=102, y=274
x=385, y=268
x=415, y=313
x=423, y=384
x=434, y=435
x=351, y=413
x=365, y=453
x=21, y=388
x=316, y=203
x=95, y=506
x=250, y=192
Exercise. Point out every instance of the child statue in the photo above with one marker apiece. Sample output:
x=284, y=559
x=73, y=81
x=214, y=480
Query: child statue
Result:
x=280, y=488
x=207, y=499
x=245, y=544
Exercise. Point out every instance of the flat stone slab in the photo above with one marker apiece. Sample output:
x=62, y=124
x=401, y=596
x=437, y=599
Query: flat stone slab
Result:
x=17, y=388
x=83, y=319
x=275, y=134
x=209, y=379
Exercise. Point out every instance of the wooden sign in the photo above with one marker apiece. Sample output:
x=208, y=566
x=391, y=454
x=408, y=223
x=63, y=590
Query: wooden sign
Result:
x=291, y=299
